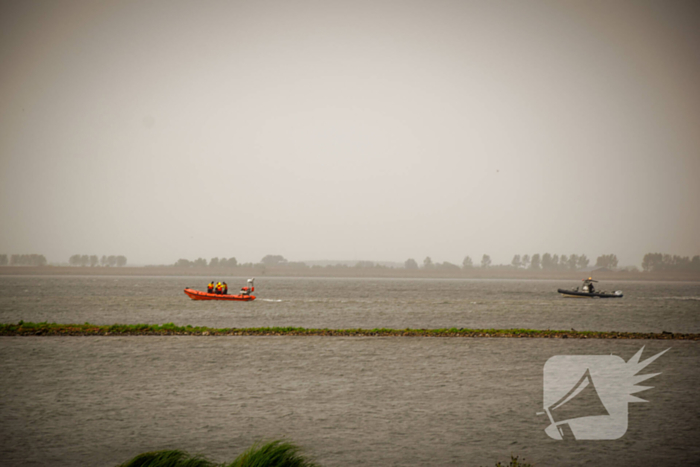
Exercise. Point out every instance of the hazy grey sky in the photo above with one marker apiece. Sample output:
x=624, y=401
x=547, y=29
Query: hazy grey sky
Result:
x=375, y=130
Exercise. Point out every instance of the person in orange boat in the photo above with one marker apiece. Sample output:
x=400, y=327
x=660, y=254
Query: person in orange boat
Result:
x=210, y=287
x=250, y=288
x=219, y=288
x=225, y=288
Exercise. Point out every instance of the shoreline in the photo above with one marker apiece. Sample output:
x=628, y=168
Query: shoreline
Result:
x=54, y=329
x=493, y=273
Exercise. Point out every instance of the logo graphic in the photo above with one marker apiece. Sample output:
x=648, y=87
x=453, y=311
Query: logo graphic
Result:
x=586, y=396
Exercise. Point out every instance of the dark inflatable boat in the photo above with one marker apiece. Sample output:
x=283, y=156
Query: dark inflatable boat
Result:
x=579, y=294
x=588, y=291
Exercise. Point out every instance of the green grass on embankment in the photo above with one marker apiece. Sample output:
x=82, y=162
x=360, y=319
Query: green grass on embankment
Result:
x=169, y=329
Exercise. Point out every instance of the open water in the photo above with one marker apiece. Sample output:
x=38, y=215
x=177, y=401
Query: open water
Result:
x=353, y=303
x=349, y=401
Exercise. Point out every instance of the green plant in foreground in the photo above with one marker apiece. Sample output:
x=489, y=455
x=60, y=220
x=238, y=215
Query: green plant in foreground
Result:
x=276, y=453
x=168, y=458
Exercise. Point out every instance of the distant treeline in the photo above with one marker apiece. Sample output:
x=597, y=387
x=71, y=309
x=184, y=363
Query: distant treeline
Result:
x=546, y=262
x=23, y=260
x=554, y=262
x=535, y=262
x=269, y=260
x=93, y=260
x=652, y=262
x=202, y=263
x=655, y=262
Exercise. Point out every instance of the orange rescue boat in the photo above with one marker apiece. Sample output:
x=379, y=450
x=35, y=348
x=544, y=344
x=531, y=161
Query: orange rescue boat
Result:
x=244, y=296
x=199, y=295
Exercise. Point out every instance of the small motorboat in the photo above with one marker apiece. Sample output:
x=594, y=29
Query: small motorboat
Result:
x=577, y=293
x=244, y=296
x=588, y=291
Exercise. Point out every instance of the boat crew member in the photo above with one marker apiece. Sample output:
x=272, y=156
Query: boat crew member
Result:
x=588, y=283
x=210, y=287
x=218, y=288
x=247, y=290
x=225, y=286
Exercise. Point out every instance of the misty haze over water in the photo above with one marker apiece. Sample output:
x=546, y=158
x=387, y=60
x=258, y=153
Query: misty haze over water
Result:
x=349, y=130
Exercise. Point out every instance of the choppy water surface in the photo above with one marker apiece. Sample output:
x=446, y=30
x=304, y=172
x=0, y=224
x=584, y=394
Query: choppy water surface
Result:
x=353, y=303
x=351, y=401
x=98, y=401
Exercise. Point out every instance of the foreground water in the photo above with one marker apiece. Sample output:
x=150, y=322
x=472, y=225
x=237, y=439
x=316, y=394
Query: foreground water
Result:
x=98, y=401
x=351, y=401
x=353, y=303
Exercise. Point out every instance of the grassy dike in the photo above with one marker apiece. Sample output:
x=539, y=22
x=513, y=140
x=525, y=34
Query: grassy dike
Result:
x=169, y=329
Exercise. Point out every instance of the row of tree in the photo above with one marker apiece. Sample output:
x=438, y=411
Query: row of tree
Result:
x=549, y=262
x=654, y=262
x=94, y=260
x=536, y=262
x=202, y=263
x=269, y=260
x=23, y=260
x=429, y=265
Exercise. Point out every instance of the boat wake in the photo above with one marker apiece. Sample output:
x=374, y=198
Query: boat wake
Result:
x=269, y=300
x=691, y=299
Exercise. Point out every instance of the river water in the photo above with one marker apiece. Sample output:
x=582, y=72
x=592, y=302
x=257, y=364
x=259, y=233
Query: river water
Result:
x=353, y=303
x=349, y=401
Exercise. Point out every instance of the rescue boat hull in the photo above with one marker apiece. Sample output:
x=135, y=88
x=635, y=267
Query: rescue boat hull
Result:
x=199, y=295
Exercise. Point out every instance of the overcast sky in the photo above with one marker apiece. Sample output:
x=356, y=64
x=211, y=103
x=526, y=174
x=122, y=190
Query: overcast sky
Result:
x=349, y=130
